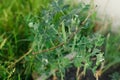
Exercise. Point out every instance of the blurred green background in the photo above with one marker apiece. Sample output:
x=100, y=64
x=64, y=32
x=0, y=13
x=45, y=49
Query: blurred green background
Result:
x=14, y=33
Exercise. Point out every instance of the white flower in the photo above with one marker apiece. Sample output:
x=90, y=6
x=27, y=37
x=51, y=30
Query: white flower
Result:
x=45, y=60
x=33, y=25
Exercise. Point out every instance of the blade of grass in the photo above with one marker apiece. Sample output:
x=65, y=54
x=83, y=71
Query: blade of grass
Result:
x=63, y=32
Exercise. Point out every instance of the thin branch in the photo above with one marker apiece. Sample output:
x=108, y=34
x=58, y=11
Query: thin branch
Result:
x=50, y=49
x=14, y=63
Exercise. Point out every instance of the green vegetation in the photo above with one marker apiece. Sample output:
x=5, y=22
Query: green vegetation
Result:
x=43, y=38
x=112, y=55
x=14, y=34
x=115, y=76
x=60, y=31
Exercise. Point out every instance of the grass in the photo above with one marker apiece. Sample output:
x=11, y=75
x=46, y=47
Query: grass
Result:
x=14, y=32
x=112, y=55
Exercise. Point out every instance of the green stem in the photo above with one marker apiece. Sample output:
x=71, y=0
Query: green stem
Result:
x=20, y=58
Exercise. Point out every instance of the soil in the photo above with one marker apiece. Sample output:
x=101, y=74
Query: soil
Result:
x=71, y=74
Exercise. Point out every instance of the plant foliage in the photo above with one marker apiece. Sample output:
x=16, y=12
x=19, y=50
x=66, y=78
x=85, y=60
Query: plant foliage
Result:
x=62, y=36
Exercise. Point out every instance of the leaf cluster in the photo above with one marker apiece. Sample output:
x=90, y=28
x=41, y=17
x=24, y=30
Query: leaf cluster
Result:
x=62, y=36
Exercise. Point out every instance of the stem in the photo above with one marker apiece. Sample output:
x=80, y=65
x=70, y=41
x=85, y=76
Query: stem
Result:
x=74, y=43
x=77, y=74
x=20, y=58
x=61, y=73
x=62, y=76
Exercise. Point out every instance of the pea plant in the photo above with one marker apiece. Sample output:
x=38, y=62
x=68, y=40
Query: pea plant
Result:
x=62, y=36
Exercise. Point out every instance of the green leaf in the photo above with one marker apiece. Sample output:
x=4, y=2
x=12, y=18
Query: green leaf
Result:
x=78, y=62
x=63, y=32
